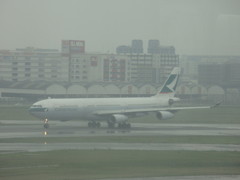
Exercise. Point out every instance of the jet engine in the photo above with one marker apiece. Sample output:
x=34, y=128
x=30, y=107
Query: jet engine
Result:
x=173, y=100
x=118, y=118
x=162, y=115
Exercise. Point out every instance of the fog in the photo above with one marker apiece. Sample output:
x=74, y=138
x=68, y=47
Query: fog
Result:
x=192, y=26
x=104, y=105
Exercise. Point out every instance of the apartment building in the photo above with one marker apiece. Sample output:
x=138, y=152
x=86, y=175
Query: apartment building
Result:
x=32, y=64
x=72, y=64
x=91, y=67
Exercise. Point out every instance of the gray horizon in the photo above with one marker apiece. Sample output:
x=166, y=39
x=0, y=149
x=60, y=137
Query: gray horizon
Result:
x=193, y=27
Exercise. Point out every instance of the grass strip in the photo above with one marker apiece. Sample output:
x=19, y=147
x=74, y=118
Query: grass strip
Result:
x=94, y=164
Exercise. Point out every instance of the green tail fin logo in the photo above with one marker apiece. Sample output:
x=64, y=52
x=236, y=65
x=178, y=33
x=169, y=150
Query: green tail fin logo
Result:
x=170, y=84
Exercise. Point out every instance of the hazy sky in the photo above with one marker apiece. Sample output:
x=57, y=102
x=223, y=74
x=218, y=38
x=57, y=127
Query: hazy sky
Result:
x=192, y=26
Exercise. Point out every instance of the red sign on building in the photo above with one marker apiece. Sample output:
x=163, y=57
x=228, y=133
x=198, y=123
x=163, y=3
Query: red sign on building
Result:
x=73, y=46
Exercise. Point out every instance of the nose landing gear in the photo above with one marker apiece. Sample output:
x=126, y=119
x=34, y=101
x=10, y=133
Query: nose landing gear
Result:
x=46, y=125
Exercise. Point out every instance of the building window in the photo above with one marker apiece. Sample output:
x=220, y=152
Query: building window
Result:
x=41, y=64
x=27, y=69
x=7, y=57
x=54, y=71
x=27, y=58
x=54, y=76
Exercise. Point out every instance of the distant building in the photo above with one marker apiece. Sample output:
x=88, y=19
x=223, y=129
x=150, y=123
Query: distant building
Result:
x=190, y=63
x=141, y=68
x=85, y=67
x=32, y=64
x=74, y=65
x=153, y=46
x=226, y=75
x=73, y=46
x=115, y=68
x=124, y=49
x=98, y=68
x=137, y=46
x=152, y=67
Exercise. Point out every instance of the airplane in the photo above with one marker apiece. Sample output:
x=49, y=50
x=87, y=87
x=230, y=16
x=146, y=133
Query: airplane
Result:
x=116, y=111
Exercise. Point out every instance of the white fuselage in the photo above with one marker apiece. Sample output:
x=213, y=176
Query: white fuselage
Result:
x=86, y=108
x=113, y=109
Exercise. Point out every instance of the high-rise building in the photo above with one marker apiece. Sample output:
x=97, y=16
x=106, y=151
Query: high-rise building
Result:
x=152, y=67
x=124, y=49
x=137, y=46
x=153, y=46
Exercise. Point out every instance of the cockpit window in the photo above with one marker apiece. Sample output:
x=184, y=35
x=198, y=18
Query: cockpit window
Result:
x=37, y=106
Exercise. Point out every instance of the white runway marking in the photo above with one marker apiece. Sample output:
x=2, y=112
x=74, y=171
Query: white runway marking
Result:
x=37, y=147
x=28, y=167
x=222, y=177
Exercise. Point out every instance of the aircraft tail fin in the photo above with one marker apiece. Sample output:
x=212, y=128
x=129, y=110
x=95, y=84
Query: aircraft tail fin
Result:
x=170, y=85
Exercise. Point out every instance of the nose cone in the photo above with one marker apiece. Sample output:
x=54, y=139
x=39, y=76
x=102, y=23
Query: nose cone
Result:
x=37, y=111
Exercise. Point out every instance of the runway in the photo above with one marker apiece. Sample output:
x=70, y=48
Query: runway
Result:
x=13, y=130
x=33, y=129
x=28, y=129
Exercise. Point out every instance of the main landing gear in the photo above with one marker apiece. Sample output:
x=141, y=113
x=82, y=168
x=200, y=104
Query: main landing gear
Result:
x=94, y=124
x=120, y=125
x=124, y=125
x=111, y=125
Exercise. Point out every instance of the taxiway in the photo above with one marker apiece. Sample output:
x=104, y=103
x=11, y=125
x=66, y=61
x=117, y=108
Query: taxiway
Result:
x=33, y=129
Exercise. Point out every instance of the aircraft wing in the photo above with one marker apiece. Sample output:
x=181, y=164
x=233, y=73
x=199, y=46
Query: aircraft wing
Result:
x=126, y=111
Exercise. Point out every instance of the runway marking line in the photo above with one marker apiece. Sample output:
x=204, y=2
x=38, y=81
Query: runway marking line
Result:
x=28, y=167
